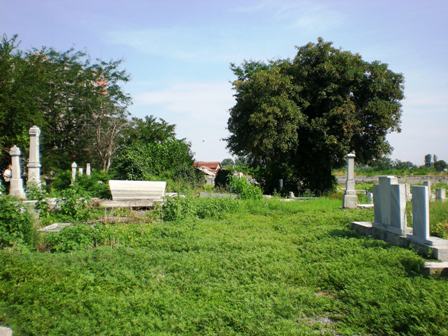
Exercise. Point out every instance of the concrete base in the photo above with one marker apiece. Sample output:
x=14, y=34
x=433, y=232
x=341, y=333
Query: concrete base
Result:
x=435, y=247
x=350, y=201
x=125, y=204
x=436, y=268
x=4, y=331
x=365, y=206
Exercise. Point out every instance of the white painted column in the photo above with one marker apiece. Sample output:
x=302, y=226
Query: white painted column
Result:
x=16, y=182
x=88, y=169
x=350, y=197
x=34, y=158
x=74, y=166
x=420, y=213
x=80, y=171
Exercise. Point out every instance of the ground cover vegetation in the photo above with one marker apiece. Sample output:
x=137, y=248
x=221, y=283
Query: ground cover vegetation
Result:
x=252, y=267
x=292, y=116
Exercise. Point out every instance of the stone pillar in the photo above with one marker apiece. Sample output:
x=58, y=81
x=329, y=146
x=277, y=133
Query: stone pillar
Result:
x=280, y=184
x=80, y=171
x=369, y=197
x=34, y=158
x=350, y=198
x=382, y=200
x=428, y=184
x=88, y=169
x=420, y=214
x=16, y=182
x=398, y=223
x=440, y=194
x=74, y=166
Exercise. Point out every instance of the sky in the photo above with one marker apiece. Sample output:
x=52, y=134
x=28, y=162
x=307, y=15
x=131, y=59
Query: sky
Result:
x=178, y=53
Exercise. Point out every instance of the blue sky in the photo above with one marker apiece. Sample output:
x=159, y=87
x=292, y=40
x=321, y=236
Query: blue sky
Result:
x=178, y=53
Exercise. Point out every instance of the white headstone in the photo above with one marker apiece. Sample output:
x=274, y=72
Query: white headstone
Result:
x=350, y=197
x=34, y=158
x=382, y=199
x=74, y=166
x=16, y=182
x=369, y=197
x=398, y=223
x=88, y=169
x=5, y=331
x=420, y=213
x=441, y=194
x=80, y=171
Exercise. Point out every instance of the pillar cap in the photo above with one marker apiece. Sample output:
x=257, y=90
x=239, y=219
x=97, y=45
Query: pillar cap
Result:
x=350, y=155
x=34, y=130
x=74, y=165
x=14, y=151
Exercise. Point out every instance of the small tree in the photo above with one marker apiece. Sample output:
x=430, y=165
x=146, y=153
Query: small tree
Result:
x=440, y=165
x=428, y=158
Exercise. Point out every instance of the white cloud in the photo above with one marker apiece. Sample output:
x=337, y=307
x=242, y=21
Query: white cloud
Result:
x=199, y=110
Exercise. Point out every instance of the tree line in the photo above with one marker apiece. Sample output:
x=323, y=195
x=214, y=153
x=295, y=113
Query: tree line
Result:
x=82, y=110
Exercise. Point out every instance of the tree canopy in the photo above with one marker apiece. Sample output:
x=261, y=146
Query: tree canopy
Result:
x=79, y=104
x=296, y=119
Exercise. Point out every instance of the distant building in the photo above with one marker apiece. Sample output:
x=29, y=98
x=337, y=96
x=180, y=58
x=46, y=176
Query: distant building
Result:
x=209, y=169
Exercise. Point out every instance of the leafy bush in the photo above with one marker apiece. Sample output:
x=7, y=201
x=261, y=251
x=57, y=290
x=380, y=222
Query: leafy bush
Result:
x=16, y=227
x=177, y=208
x=245, y=189
x=73, y=204
x=78, y=237
x=96, y=185
x=215, y=207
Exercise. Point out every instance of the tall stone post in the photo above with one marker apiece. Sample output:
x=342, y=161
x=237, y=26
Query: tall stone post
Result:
x=74, y=166
x=16, y=182
x=350, y=198
x=420, y=214
x=80, y=171
x=34, y=159
x=88, y=169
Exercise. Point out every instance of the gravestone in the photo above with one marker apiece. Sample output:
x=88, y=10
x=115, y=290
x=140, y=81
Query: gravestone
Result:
x=88, y=169
x=34, y=158
x=74, y=166
x=16, y=182
x=350, y=197
x=382, y=200
x=420, y=214
x=5, y=331
x=440, y=194
x=369, y=197
x=428, y=184
x=80, y=171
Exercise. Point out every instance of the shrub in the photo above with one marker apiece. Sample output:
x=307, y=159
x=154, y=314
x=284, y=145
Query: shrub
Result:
x=215, y=207
x=16, y=226
x=74, y=204
x=77, y=237
x=245, y=189
x=177, y=208
x=95, y=185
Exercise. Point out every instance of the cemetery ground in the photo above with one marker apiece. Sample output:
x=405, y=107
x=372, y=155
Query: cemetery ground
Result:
x=221, y=267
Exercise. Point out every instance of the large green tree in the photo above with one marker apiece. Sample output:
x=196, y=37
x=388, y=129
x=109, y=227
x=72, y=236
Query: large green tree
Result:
x=79, y=104
x=296, y=119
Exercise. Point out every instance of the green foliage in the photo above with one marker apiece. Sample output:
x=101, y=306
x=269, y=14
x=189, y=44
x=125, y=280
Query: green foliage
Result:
x=245, y=189
x=297, y=119
x=78, y=105
x=16, y=226
x=78, y=237
x=268, y=268
x=181, y=208
x=177, y=208
x=439, y=219
x=168, y=160
x=73, y=204
x=96, y=185
x=440, y=165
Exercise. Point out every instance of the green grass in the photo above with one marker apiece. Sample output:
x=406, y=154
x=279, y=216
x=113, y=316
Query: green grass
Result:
x=269, y=268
